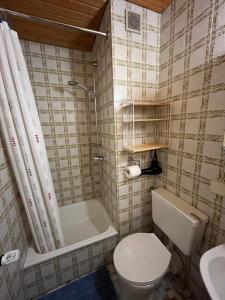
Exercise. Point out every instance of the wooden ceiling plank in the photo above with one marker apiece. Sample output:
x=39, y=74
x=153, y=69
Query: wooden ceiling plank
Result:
x=76, y=41
x=50, y=12
x=150, y=5
x=39, y=29
x=165, y=3
x=38, y=34
x=155, y=5
x=82, y=6
x=73, y=11
x=58, y=43
x=87, y=9
x=76, y=5
x=93, y=3
x=46, y=15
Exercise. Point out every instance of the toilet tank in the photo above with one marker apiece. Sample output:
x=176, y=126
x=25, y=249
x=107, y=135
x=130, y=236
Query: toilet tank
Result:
x=182, y=223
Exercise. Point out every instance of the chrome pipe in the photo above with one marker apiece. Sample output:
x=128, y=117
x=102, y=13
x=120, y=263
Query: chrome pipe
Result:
x=95, y=64
x=47, y=21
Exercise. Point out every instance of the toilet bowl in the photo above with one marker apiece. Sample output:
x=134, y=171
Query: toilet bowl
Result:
x=140, y=260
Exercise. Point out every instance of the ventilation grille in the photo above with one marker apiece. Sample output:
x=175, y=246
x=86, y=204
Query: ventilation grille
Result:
x=133, y=21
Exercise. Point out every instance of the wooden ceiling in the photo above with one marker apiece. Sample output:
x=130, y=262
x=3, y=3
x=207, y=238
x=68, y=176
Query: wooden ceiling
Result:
x=155, y=5
x=82, y=13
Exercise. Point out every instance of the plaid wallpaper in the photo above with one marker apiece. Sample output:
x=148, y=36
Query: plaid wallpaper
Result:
x=192, y=74
x=12, y=231
x=135, y=76
x=66, y=118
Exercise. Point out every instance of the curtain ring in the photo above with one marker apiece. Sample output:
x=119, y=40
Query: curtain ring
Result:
x=4, y=17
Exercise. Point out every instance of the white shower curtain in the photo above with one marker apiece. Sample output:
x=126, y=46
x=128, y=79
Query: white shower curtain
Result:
x=21, y=129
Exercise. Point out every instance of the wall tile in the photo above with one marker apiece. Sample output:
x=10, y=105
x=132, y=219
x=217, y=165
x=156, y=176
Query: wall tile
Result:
x=103, y=53
x=200, y=6
x=198, y=117
x=65, y=118
x=140, y=82
x=13, y=233
x=46, y=276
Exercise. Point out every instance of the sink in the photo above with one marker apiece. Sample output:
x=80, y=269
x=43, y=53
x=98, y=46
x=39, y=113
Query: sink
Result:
x=212, y=267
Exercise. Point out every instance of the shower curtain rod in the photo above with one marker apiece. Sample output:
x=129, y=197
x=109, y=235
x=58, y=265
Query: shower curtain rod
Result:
x=46, y=21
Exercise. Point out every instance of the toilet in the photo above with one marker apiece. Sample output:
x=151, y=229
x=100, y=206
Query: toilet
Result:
x=141, y=260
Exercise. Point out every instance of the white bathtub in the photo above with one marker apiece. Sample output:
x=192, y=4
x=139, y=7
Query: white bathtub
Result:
x=83, y=223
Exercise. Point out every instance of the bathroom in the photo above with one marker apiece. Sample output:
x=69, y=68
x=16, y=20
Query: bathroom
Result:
x=85, y=86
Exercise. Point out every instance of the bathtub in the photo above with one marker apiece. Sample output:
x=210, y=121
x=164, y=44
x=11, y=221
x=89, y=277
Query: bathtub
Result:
x=90, y=238
x=83, y=223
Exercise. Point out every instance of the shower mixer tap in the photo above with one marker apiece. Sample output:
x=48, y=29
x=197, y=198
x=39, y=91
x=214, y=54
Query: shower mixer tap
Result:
x=99, y=157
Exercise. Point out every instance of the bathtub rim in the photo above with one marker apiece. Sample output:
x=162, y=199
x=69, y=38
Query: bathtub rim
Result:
x=33, y=258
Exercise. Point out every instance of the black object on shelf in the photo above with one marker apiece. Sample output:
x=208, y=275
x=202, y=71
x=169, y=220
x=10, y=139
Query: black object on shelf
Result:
x=154, y=168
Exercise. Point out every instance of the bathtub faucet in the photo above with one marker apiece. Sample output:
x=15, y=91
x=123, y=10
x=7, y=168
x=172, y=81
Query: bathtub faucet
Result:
x=99, y=157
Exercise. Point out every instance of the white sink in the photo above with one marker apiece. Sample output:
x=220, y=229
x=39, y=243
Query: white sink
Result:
x=212, y=267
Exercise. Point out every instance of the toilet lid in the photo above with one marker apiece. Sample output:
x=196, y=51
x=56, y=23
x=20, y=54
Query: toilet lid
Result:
x=141, y=258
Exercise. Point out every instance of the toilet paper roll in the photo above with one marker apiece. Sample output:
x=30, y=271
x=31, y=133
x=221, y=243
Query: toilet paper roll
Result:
x=132, y=171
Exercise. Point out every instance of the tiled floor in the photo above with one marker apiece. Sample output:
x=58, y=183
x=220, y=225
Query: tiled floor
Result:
x=171, y=287
x=104, y=285
x=95, y=286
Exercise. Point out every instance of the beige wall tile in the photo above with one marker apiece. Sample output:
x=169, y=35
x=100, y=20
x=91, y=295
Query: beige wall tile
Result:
x=65, y=118
x=13, y=234
x=198, y=116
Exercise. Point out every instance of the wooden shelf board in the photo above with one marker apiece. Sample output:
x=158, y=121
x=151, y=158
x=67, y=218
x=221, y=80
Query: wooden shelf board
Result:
x=145, y=103
x=147, y=120
x=144, y=147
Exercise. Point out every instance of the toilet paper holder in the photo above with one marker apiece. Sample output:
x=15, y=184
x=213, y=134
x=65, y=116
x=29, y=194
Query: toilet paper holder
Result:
x=153, y=169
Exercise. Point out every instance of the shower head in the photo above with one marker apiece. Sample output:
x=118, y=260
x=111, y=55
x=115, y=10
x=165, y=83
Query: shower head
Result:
x=77, y=84
x=73, y=83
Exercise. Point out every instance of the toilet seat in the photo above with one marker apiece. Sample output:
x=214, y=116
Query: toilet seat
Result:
x=141, y=259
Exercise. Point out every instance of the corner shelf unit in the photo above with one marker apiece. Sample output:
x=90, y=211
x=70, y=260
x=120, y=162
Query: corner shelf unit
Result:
x=146, y=125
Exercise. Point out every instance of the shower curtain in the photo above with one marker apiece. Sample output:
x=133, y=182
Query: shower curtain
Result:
x=21, y=130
